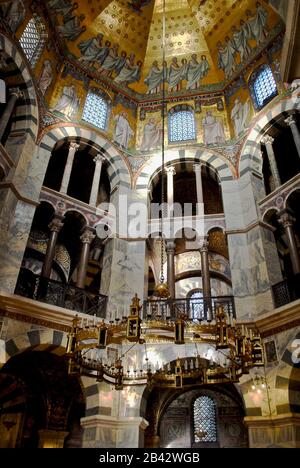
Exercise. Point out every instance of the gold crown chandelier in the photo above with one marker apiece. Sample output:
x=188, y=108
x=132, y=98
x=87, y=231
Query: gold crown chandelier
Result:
x=241, y=350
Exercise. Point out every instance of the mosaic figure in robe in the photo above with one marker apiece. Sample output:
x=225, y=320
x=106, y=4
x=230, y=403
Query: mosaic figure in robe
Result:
x=155, y=79
x=258, y=24
x=72, y=28
x=177, y=74
x=113, y=63
x=226, y=57
x=123, y=131
x=196, y=71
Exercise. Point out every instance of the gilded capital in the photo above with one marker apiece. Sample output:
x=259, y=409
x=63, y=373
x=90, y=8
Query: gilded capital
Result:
x=286, y=220
x=290, y=120
x=87, y=237
x=16, y=92
x=74, y=146
x=198, y=167
x=56, y=225
x=267, y=140
x=171, y=171
x=205, y=247
x=99, y=159
x=170, y=248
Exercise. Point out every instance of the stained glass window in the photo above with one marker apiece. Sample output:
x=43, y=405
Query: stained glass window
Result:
x=205, y=424
x=95, y=110
x=264, y=87
x=33, y=40
x=196, y=304
x=182, y=126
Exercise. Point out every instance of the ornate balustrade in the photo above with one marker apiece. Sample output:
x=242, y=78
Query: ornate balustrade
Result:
x=62, y=295
x=286, y=292
x=194, y=310
x=277, y=200
x=63, y=203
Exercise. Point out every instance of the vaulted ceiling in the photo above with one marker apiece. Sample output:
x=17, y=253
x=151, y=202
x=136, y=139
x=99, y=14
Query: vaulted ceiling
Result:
x=136, y=26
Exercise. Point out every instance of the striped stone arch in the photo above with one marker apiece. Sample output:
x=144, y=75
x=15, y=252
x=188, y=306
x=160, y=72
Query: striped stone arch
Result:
x=51, y=341
x=251, y=159
x=224, y=170
x=36, y=340
x=287, y=384
x=119, y=172
x=27, y=112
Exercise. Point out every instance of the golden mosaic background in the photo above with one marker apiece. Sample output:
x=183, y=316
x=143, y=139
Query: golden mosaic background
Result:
x=192, y=26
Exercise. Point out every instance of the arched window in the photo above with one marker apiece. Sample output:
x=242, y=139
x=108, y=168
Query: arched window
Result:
x=262, y=86
x=33, y=40
x=205, y=421
x=182, y=124
x=95, y=110
x=196, y=305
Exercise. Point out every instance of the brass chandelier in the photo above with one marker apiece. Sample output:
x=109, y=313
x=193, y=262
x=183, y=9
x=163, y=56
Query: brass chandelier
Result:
x=241, y=348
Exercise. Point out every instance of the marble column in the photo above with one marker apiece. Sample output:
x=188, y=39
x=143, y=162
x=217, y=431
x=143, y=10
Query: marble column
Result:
x=55, y=227
x=287, y=221
x=15, y=94
x=99, y=160
x=52, y=439
x=199, y=185
x=291, y=122
x=268, y=141
x=86, y=239
x=206, y=285
x=69, y=165
x=170, y=185
x=170, y=249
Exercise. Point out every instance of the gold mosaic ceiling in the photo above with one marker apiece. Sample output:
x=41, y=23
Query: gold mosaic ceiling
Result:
x=192, y=26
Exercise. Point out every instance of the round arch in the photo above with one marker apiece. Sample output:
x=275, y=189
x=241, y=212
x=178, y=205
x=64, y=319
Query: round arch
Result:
x=28, y=116
x=52, y=341
x=223, y=168
x=251, y=159
x=119, y=172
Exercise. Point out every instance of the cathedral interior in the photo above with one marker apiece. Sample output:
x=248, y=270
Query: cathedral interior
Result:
x=150, y=224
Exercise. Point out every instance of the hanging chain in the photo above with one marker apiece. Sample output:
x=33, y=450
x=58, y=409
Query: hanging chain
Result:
x=162, y=278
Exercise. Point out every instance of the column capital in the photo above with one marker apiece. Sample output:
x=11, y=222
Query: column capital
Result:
x=56, y=225
x=16, y=92
x=286, y=219
x=87, y=237
x=267, y=140
x=99, y=159
x=170, y=247
x=74, y=146
x=290, y=120
x=198, y=167
x=205, y=246
x=171, y=170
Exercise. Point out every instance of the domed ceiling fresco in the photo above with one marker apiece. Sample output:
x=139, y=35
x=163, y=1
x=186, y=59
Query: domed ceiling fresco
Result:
x=208, y=42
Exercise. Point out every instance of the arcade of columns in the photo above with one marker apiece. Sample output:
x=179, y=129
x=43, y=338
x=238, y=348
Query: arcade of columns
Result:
x=284, y=218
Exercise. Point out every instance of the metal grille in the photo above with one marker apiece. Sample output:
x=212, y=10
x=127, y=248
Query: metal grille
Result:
x=205, y=424
x=182, y=126
x=197, y=306
x=30, y=40
x=95, y=111
x=265, y=87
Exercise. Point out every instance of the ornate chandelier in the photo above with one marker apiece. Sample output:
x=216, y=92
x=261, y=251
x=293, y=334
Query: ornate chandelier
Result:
x=241, y=349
